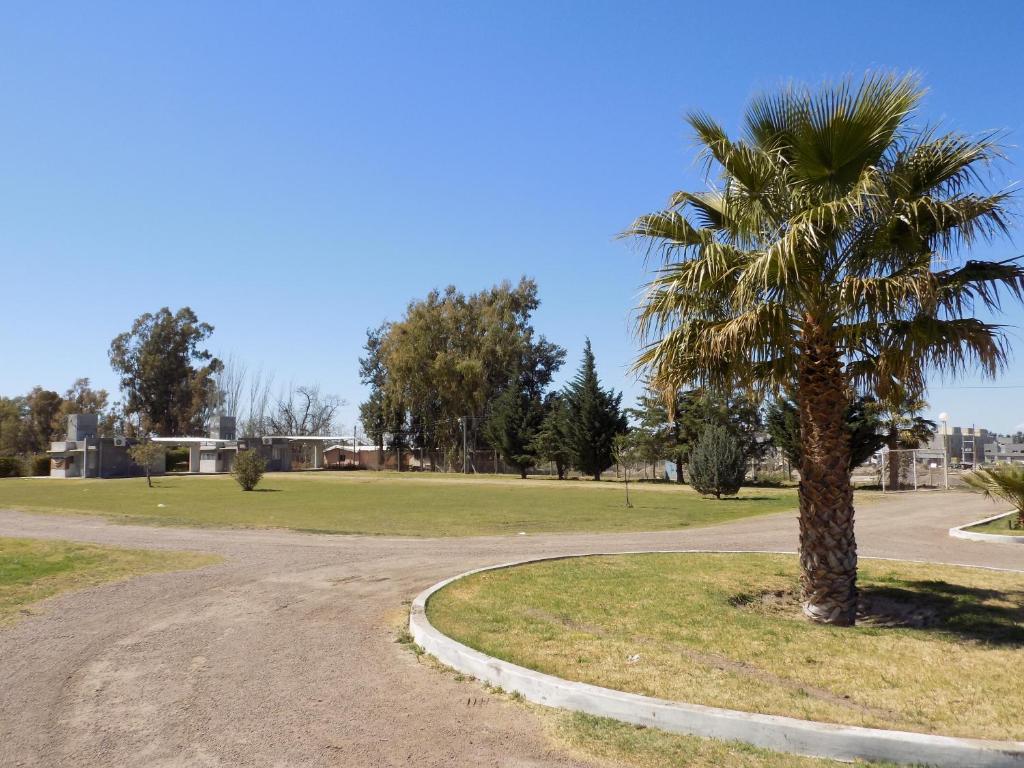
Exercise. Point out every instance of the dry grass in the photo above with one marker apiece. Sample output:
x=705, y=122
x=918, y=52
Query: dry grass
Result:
x=32, y=570
x=619, y=744
x=940, y=653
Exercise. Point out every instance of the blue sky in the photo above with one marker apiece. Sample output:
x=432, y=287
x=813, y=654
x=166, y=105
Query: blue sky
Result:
x=297, y=172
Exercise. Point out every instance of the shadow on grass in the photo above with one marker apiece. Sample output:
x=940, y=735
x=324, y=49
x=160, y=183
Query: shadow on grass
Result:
x=266, y=490
x=991, y=616
x=742, y=498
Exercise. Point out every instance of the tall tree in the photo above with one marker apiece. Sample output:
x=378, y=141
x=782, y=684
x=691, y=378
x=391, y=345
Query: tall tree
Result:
x=304, y=410
x=512, y=427
x=166, y=374
x=552, y=441
x=818, y=263
x=82, y=398
x=13, y=426
x=450, y=357
x=595, y=418
x=861, y=419
x=44, y=408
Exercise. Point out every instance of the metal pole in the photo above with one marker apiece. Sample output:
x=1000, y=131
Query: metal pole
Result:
x=913, y=459
x=945, y=451
x=465, y=457
x=884, y=454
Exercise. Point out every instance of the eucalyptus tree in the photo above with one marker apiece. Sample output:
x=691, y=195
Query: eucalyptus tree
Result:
x=826, y=257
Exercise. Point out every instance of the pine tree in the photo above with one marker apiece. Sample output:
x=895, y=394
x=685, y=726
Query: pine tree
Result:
x=595, y=418
x=512, y=427
x=552, y=442
x=717, y=463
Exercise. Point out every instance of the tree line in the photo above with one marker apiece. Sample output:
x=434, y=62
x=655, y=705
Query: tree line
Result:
x=460, y=371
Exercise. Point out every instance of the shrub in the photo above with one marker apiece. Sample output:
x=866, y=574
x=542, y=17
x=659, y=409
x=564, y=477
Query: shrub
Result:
x=248, y=469
x=10, y=466
x=1003, y=481
x=717, y=463
x=177, y=460
x=38, y=465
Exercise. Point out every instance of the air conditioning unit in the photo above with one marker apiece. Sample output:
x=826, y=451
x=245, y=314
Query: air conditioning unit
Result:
x=120, y=442
x=242, y=445
x=268, y=441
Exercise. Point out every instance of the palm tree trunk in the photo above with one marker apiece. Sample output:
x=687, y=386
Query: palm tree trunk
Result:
x=828, y=549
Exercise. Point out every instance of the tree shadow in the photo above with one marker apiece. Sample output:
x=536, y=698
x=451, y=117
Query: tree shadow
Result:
x=266, y=490
x=990, y=616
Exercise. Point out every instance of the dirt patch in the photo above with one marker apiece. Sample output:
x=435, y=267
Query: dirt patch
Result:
x=875, y=608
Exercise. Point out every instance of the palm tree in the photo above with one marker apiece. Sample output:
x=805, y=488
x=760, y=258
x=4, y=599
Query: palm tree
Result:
x=1005, y=482
x=904, y=427
x=817, y=263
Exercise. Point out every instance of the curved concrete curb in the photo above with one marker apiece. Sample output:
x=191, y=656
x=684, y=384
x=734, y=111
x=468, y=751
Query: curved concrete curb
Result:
x=961, y=532
x=784, y=734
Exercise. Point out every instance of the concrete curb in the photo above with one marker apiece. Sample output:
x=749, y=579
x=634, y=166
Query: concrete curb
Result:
x=961, y=532
x=784, y=734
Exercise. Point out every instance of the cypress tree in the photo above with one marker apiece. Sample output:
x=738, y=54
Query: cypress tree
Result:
x=717, y=463
x=595, y=418
x=512, y=427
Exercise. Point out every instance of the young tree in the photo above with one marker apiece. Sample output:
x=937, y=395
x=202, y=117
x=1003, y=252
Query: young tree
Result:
x=717, y=464
x=627, y=450
x=147, y=454
x=166, y=375
x=512, y=427
x=594, y=418
x=248, y=469
x=812, y=266
x=552, y=442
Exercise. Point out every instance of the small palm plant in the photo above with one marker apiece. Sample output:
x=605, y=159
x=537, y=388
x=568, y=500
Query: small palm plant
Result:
x=1005, y=481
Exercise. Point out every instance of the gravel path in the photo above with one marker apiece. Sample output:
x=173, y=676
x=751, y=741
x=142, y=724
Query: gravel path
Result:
x=284, y=655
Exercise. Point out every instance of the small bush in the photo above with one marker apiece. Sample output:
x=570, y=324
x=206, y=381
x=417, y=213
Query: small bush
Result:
x=717, y=463
x=37, y=466
x=248, y=469
x=10, y=466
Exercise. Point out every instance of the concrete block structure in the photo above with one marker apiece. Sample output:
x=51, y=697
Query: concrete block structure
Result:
x=86, y=453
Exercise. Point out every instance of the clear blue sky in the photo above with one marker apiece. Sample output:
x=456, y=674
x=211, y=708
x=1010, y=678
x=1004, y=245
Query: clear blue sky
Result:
x=297, y=172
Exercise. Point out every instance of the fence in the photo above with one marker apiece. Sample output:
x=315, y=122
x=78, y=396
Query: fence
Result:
x=911, y=469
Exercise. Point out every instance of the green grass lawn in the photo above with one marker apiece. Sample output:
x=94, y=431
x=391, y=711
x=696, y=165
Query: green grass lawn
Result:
x=32, y=569
x=1005, y=526
x=391, y=504
x=941, y=653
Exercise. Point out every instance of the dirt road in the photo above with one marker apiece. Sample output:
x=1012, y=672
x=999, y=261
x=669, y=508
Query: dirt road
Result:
x=284, y=655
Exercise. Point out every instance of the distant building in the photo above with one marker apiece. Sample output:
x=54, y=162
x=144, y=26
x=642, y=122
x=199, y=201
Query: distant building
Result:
x=86, y=453
x=972, y=446
x=966, y=445
x=1003, y=450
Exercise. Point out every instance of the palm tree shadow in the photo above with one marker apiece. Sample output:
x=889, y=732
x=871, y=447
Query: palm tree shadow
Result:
x=988, y=616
